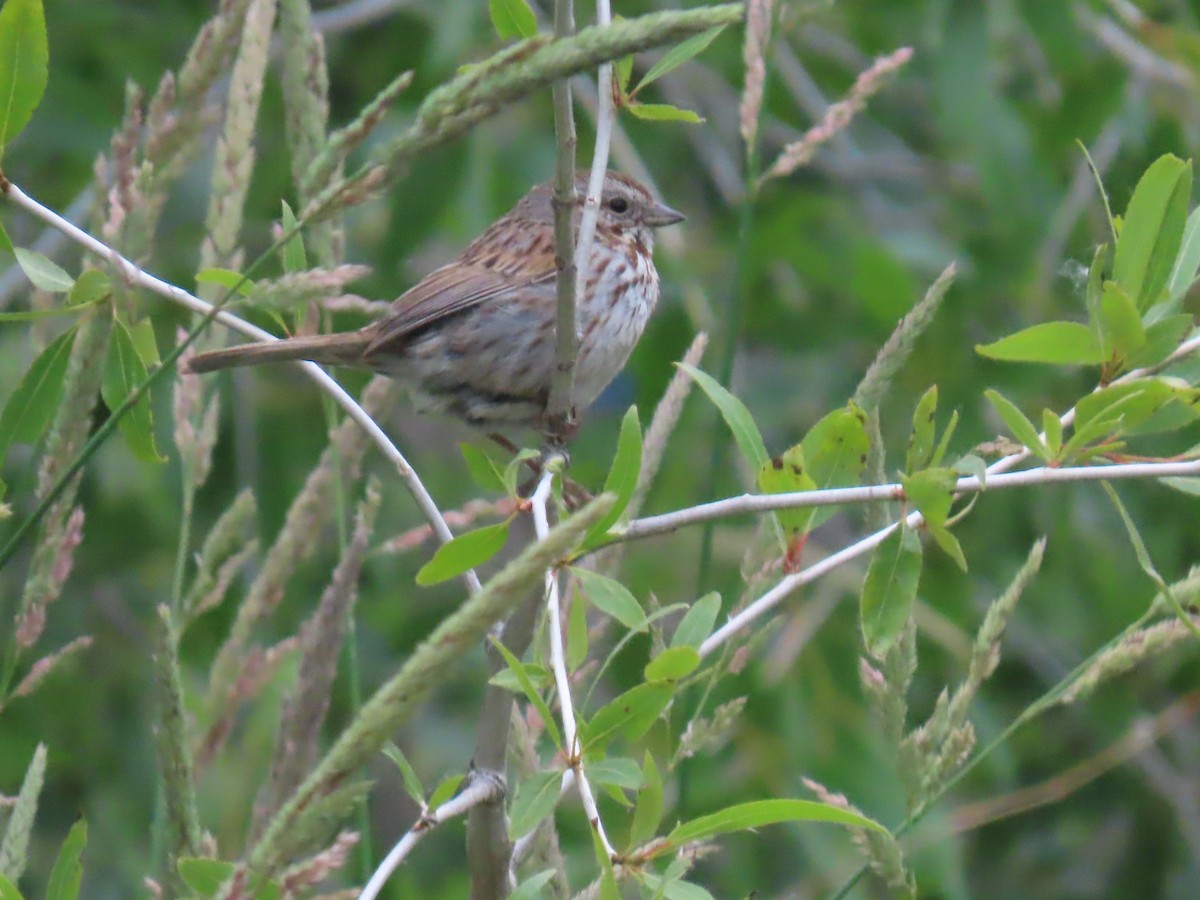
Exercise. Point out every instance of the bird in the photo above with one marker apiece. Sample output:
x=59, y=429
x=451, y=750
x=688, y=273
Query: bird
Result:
x=475, y=339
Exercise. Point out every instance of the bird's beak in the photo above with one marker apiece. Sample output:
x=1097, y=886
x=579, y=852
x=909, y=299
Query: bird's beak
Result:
x=659, y=214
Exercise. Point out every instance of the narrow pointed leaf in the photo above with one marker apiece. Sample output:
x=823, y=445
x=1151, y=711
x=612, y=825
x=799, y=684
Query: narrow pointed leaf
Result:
x=648, y=812
x=890, y=589
x=1187, y=260
x=697, y=623
x=466, y=551
x=924, y=431
x=67, y=873
x=534, y=800
x=531, y=693
x=629, y=715
x=1060, y=343
x=623, y=475
x=23, y=65
x=31, y=406
x=45, y=274
x=612, y=598
x=412, y=783
x=124, y=372
x=664, y=112
x=1022, y=429
x=736, y=416
x=1152, y=230
x=484, y=470
x=294, y=257
x=679, y=54
x=226, y=278
x=756, y=814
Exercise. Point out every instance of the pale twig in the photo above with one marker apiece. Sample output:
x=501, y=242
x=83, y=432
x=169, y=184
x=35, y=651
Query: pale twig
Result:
x=480, y=790
x=558, y=664
x=604, y=126
x=324, y=381
x=775, y=596
x=754, y=503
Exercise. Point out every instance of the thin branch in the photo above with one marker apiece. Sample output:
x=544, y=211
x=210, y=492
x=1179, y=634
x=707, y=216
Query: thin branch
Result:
x=324, y=381
x=775, y=596
x=558, y=664
x=754, y=503
x=566, y=325
x=479, y=791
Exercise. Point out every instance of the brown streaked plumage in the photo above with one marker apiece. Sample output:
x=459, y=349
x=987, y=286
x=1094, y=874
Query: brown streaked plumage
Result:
x=475, y=338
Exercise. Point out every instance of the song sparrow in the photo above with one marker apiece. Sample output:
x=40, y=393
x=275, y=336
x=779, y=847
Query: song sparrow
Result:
x=475, y=338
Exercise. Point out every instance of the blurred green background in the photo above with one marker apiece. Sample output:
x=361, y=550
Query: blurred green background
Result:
x=972, y=156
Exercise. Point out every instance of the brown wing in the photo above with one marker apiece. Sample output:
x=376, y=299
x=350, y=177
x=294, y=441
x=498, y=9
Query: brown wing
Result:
x=445, y=292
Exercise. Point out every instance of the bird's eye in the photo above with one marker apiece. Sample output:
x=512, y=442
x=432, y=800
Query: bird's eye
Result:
x=618, y=205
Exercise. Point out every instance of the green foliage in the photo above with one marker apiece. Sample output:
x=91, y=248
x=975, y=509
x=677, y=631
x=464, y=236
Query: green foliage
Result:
x=466, y=551
x=23, y=65
x=802, y=280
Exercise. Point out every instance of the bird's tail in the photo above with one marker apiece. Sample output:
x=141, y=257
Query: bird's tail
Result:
x=345, y=349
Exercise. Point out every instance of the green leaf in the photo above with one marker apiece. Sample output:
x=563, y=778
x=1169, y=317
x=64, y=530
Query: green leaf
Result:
x=520, y=671
x=1060, y=343
x=784, y=475
x=1152, y=230
x=68, y=870
x=31, y=407
x=623, y=476
x=45, y=274
x=534, y=800
x=577, y=635
x=8, y=890
x=1187, y=260
x=1189, y=486
x=92, y=286
x=697, y=623
x=678, y=55
x=444, y=791
x=943, y=446
x=924, y=431
x=485, y=471
x=204, y=875
x=663, y=112
x=532, y=887
x=1121, y=329
x=932, y=492
x=466, y=551
x=612, y=598
x=514, y=467
x=412, y=783
x=648, y=812
x=226, y=278
x=1162, y=338
x=736, y=416
x=622, y=70
x=890, y=589
x=835, y=450
x=539, y=676
x=292, y=251
x=23, y=65
x=1053, y=429
x=619, y=771
x=124, y=372
x=6, y=244
x=145, y=343
x=631, y=714
x=512, y=19
x=757, y=813
x=672, y=663
x=1126, y=407
x=1021, y=428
